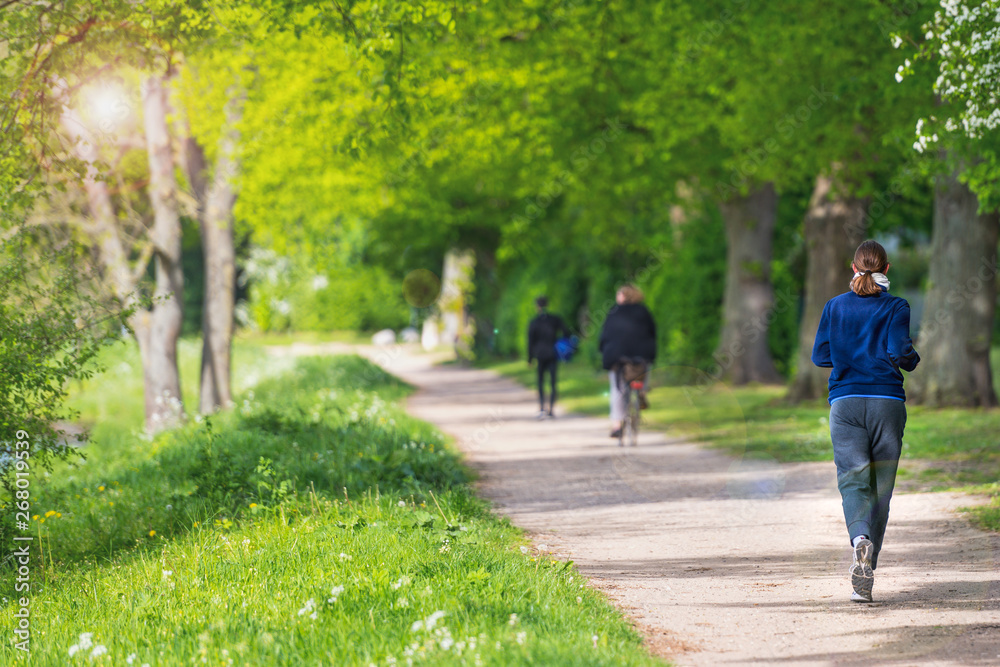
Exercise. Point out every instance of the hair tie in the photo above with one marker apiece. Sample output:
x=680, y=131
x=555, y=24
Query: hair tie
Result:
x=868, y=272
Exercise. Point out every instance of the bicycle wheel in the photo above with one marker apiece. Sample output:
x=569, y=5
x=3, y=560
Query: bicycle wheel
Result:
x=623, y=431
x=632, y=419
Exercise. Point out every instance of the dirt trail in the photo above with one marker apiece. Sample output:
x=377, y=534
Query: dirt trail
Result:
x=720, y=561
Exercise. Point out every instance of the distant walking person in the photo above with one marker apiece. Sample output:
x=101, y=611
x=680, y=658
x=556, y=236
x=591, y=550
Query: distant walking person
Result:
x=864, y=336
x=543, y=332
x=629, y=332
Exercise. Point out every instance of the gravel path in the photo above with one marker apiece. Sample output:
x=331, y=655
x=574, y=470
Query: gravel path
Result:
x=720, y=561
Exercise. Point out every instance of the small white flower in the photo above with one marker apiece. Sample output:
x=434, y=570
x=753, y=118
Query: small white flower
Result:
x=447, y=643
x=595, y=640
x=524, y=550
x=543, y=547
x=309, y=606
x=521, y=636
x=131, y=658
x=313, y=616
x=85, y=642
x=433, y=619
x=579, y=599
x=167, y=573
x=335, y=593
x=417, y=625
x=344, y=556
x=170, y=507
x=73, y=649
x=402, y=503
x=98, y=650
x=512, y=620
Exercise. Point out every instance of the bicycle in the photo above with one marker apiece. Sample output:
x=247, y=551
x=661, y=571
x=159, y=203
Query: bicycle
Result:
x=631, y=382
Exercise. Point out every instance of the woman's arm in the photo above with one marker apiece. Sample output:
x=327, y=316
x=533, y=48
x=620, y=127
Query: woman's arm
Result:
x=900, y=344
x=821, y=346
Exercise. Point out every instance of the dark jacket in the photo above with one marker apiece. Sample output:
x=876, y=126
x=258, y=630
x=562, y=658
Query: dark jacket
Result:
x=628, y=331
x=543, y=332
x=866, y=341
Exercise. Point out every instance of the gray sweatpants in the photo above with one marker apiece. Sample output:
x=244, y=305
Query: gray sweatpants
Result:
x=867, y=436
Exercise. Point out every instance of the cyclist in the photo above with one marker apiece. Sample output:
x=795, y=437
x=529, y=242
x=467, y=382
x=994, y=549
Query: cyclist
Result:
x=629, y=332
x=543, y=332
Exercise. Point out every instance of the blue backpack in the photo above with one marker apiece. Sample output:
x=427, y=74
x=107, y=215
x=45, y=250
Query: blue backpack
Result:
x=566, y=348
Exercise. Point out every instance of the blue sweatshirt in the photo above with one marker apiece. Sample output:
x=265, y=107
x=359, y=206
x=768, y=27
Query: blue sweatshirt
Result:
x=865, y=340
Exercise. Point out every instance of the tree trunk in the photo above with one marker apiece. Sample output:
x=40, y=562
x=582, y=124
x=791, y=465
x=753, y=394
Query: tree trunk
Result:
x=102, y=227
x=748, y=306
x=220, y=275
x=957, y=325
x=834, y=227
x=157, y=330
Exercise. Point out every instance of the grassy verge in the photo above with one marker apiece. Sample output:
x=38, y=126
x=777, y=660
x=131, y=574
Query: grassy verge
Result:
x=316, y=523
x=942, y=449
x=307, y=337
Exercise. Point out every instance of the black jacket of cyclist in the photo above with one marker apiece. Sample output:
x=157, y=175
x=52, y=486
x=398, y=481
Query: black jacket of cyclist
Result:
x=628, y=331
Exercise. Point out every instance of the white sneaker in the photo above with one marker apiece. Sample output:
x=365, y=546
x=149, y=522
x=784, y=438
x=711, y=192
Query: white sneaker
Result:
x=542, y=414
x=862, y=575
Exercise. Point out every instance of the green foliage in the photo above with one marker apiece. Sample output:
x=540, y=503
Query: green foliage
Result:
x=986, y=516
x=298, y=295
x=685, y=296
x=51, y=327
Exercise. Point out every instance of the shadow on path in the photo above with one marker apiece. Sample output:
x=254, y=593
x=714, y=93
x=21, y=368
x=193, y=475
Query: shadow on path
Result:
x=721, y=561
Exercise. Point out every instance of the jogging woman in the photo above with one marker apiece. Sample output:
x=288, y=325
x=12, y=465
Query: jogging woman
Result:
x=864, y=336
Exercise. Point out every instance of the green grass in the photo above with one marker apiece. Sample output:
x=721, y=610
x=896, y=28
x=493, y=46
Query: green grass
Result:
x=942, y=449
x=204, y=544
x=308, y=337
